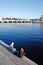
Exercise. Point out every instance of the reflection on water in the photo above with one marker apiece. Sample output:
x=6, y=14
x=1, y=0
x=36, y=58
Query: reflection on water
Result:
x=28, y=36
x=41, y=29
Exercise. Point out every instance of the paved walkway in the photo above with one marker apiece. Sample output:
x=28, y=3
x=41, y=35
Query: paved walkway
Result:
x=4, y=60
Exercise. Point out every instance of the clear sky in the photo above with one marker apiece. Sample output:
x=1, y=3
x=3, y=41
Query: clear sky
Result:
x=21, y=8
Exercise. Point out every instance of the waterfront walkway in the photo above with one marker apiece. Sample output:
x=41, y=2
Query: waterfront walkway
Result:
x=7, y=58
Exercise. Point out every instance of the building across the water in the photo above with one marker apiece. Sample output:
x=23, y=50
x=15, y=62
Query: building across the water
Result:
x=41, y=18
x=14, y=20
x=19, y=20
x=35, y=20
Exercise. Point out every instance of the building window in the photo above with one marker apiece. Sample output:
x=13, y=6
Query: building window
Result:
x=5, y=22
x=10, y=21
x=0, y=22
x=14, y=22
x=23, y=22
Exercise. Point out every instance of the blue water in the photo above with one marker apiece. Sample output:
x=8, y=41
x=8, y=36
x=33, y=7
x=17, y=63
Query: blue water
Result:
x=28, y=36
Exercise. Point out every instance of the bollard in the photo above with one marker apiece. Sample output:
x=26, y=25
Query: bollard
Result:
x=21, y=52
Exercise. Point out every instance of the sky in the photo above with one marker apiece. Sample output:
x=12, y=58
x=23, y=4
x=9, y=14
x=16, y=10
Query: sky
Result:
x=21, y=8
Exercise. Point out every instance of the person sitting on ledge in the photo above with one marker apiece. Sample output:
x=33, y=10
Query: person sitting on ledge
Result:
x=19, y=53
